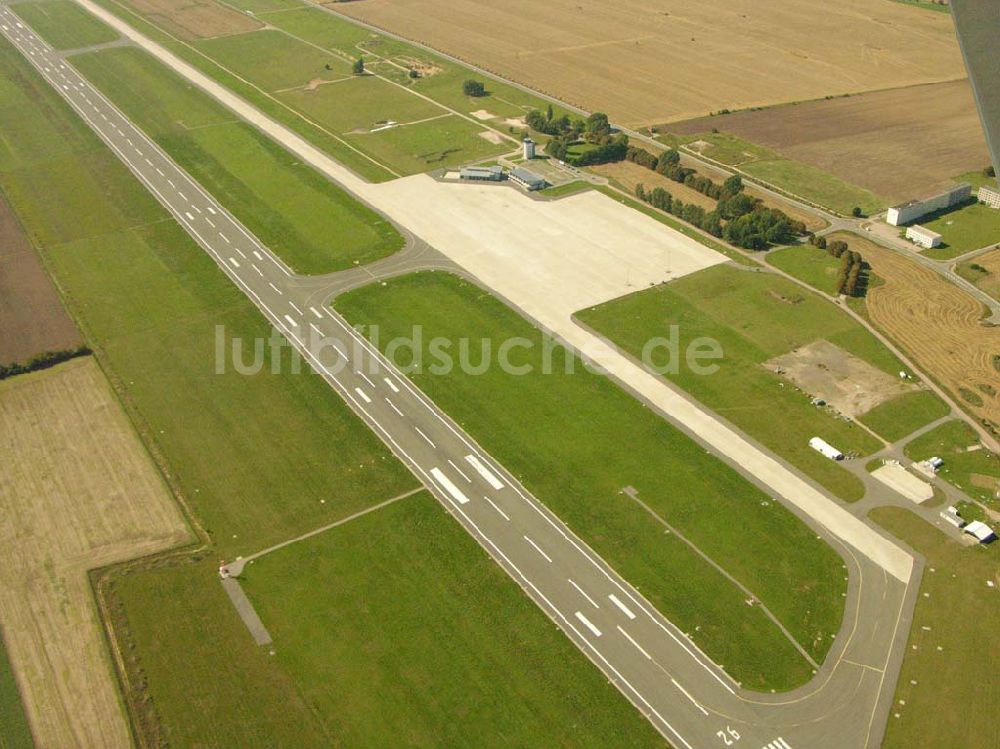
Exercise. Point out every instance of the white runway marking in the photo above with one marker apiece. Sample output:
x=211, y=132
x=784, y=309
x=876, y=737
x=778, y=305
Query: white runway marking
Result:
x=316, y=312
x=224, y=238
x=391, y=384
x=692, y=699
x=586, y=623
x=259, y=271
x=291, y=321
x=275, y=288
x=393, y=407
x=483, y=471
x=637, y=645
x=295, y=307
x=363, y=394
x=257, y=255
x=210, y=222
x=211, y=210
x=621, y=606
x=460, y=471
x=583, y=593
x=448, y=486
x=183, y=196
x=494, y=506
x=189, y=216
x=539, y=550
x=313, y=326
x=233, y=261
x=428, y=439
x=241, y=253
x=367, y=379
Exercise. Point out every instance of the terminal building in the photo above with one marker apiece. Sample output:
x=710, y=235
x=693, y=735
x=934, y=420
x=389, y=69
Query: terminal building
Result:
x=481, y=173
x=914, y=210
x=527, y=179
x=923, y=237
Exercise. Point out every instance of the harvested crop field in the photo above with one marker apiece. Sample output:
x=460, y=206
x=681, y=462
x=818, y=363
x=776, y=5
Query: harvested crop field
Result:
x=32, y=318
x=899, y=144
x=79, y=492
x=984, y=272
x=937, y=324
x=646, y=63
x=194, y=19
x=629, y=174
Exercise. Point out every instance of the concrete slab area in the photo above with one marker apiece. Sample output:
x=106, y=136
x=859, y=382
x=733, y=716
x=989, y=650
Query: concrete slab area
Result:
x=896, y=477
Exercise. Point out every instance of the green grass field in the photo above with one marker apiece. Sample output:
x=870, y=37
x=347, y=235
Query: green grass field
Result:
x=975, y=273
x=791, y=176
x=569, y=188
x=306, y=220
x=970, y=227
x=953, y=635
x=578, y=439
x=977, y=473
x=14, y=730
x=64, y=24
x=809, y=264
x=258, y=459
x=904, y=414
x=754, y=317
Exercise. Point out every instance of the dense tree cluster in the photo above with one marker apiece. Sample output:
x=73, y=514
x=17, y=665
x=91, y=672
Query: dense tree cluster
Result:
x=709, y=221
x=474, y=88
x=851, y=279
x=549, y=124
x=595, y=130
x=42, y=361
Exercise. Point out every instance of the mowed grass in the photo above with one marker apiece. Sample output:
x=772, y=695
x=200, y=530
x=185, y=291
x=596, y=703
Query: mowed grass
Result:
x=970, y=227
x=976, y=472
x=577, y=440
x=443, y=142
x=64, y=24
x=754, y=317
x=952, y=636
x=904, y=414
x=305, y=219
x=401, y=615
x=14, y=730
x=814, y=266
x=253, y=455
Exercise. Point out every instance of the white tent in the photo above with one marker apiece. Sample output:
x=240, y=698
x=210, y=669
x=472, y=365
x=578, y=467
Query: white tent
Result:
x=981, y=531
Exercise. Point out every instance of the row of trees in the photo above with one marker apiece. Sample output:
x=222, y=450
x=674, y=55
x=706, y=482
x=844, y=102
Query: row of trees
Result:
x=42, y=361
x=595, y=130
x=851, y=277
x=709, y=221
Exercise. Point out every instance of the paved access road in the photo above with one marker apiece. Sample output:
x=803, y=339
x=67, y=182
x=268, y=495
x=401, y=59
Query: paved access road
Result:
x=689, y=699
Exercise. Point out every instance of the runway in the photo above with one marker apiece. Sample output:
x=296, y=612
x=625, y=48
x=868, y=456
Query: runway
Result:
x=687, y=697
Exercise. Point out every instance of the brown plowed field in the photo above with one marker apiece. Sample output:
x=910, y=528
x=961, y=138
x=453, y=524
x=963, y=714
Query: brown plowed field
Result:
x=629, y=175
x=899, y=144
x=937, y=324
x=78, y=492
x=646, y=63
x=32, y=318
x=195, y=19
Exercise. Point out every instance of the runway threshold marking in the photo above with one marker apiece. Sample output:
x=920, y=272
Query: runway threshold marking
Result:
x=637, y=646
x=483, y=471
x=686, y=694
x=621, y=606
x=588, y=624
x=539, y=549
x=778, y=743
x=583, y=593
x=448, y=486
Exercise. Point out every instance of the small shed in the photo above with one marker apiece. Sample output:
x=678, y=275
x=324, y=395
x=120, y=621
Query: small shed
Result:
x=980, y=531
x=825, y=448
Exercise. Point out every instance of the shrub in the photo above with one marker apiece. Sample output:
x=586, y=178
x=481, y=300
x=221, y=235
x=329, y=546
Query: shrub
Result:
x=473, y=88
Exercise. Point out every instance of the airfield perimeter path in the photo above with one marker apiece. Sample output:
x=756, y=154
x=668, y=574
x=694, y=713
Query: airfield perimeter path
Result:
x=689, y=699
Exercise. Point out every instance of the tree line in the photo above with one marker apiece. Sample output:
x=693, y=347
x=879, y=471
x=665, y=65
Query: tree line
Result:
x=42, y=361
x=851, y=279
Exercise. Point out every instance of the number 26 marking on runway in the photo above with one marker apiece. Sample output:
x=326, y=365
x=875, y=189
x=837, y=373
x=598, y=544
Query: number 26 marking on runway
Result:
x=729, y=736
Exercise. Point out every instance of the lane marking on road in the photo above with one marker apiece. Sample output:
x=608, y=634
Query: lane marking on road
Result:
x=233, y=261
x=295, y=307
x=393, y=407
x=391, y=384
x=291, y=321
x=583, y=593
x=274, y=288
x=685, y=693
x=449, y=487
x=483, y=471
x=363, y=394
x=493, y=504
x=426, y=438
x=461, y=473
x=367, y=379
x=634, y=643
x=316, y=312
x=539, y=550
x=259, y=271
x=621, y=606
x=587, y=623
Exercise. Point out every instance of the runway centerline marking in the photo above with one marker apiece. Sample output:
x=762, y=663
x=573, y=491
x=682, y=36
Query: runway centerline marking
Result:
x=291, y=321
x=539, y=549
x=363, y=394
x=587, y=623
x=686, y=694
x=461, y=473
x=295, y=307
x=583, y=593
x=426, y=438
x=393, y=407
x=391, y=384
x=316, y=312
x=493, y=504
x=367, y=379
x=274, y=288
x=637, y=646
x=234, y=262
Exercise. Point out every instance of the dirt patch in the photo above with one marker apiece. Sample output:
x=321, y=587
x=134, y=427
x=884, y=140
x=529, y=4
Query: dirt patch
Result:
x=934, y=321
x=515, y=122
x=848, y=384
x=983, y=481
x=423, y=67
x=492, y=137
x=482, y=114
x=195, y=19
x=899, y=144
x=32, y=318
x=79, y=492
x=720, y=54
